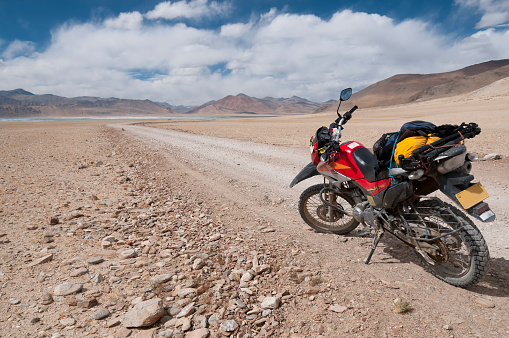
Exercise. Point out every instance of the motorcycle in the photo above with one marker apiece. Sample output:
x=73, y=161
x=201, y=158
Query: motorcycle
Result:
x=359, y=189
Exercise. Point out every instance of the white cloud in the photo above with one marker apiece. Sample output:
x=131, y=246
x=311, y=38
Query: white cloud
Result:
x=236, y=30
x=132, y=20
x=277, y=55
x=184, y=9
x=495, y=12
x=18, y=48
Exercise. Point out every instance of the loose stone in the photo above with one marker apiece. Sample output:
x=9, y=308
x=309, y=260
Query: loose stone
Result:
x=270, y=303
x=144, y=314
x=484, y=302
x=101, y=314
x=229, y=325
x=42, y=260
x=79, y=272
x=46, y=299
x=68, y=321
x=187, y=311
x=128, y=253
x=338, y=308
x=200, y=333
x=95, y=260
x=67, y=288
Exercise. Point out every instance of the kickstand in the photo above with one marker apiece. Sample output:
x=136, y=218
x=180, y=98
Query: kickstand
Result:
x=374, y=244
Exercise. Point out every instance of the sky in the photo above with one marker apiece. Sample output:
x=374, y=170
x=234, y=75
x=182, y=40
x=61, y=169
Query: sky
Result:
x=192, y=51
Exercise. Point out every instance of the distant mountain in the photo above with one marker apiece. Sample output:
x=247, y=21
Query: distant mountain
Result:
x=407, y=88
x=20, y=103
x=243, y=104
x=179, y=109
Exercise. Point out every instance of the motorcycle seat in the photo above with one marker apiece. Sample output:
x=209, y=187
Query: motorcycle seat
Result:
x=368, y=165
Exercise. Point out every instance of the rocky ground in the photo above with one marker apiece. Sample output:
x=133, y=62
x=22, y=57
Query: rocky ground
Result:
x=103, y=235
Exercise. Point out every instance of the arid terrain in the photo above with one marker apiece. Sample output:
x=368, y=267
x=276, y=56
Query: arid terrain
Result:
x=189, y=229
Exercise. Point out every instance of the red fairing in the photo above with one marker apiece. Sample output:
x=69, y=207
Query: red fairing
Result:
x=345, y=165
x=315, y=157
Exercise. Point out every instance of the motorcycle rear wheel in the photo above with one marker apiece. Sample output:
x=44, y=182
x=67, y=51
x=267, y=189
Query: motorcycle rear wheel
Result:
x=460, y=259
x=322, y=217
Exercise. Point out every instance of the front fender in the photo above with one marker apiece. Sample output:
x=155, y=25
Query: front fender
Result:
x=307, y=172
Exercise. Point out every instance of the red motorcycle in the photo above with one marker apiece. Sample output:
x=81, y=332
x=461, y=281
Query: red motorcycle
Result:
x=387, y=192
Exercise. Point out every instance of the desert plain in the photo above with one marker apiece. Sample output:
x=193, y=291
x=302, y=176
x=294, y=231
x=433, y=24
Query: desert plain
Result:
x=189, y=229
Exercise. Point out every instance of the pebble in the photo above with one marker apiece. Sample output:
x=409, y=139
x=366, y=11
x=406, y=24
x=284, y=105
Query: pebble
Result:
x=247, y=276
x=144, y=314
x=79, y=272
x=485, y=302
x=200, y=333
x=187, y=311
x=128, y=253
x=47, y=299
x=44, y=259
x=113, y=322
x=87, y=303
x=229, y=325
x=270, y=303
x=66, y=288
x=160, y=279
x=491, y=157
x=101, y=314
x=146, y=333
x=214, y=237
x=338, y=308
x=68, y=321
x=214, y=319
x=183, y=323
x=183, y=293
x=198, y=264
x=95, y=260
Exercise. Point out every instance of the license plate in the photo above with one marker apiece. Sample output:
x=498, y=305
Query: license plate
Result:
x=471, y=196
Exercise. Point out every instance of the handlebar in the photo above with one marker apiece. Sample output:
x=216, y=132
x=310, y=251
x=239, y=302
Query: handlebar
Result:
x=348, y=115
x=340, y=121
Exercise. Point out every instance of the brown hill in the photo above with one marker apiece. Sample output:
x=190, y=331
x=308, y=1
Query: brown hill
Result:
x=407, y=88
x=243, y=104
x=20, y=103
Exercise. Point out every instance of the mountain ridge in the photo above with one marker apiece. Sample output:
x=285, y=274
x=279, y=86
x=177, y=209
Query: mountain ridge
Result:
x=408, y=88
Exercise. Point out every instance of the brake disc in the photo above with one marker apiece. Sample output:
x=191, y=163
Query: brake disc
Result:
x=326, y=214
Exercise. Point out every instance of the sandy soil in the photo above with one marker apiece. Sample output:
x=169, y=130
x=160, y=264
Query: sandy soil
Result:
x=218, y=195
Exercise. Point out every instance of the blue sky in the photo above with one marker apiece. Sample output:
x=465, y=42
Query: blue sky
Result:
x=189, y=52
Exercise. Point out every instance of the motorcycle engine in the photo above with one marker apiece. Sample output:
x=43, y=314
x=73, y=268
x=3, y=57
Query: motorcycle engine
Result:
x=364, y=213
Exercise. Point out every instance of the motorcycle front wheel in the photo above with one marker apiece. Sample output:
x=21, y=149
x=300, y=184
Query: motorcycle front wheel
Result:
x=326, y=218
x=461, y=258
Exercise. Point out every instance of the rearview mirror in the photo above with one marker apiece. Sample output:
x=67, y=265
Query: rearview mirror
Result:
x=345, y=94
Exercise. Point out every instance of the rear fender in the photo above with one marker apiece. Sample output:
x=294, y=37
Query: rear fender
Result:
x=455, y=182
x=307, y=172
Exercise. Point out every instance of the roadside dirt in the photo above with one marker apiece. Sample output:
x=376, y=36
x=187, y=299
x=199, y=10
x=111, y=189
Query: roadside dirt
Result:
x=162, y=191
